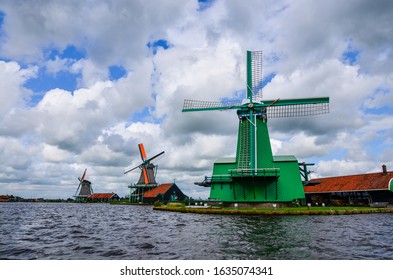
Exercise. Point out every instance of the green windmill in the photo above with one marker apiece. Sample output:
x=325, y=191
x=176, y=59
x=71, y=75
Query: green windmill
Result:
x=255, y=175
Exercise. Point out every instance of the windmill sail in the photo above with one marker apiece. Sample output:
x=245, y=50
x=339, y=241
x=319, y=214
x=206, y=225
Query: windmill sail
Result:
x=142, y=151
x=255, y=77
x=281, y=108
x=196, y=105
x=298, y=107
x=83, y=176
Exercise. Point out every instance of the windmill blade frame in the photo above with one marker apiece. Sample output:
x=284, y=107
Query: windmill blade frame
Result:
x=142, y=151
x=286, y=108
x=155, y=157
x=190, y=105
x=145, y=177
x=139, y=166
x=77, y=189
x=255, y=77
x=83, y=175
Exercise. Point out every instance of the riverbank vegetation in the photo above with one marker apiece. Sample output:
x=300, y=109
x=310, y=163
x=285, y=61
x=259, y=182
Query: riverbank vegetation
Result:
x=333, y=210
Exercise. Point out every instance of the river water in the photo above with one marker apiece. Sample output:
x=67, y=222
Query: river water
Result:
x=70, y=231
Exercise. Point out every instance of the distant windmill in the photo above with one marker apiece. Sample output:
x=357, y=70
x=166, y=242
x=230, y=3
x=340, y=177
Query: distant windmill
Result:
x=84, y=188
x=255, y=175
x=147, y=179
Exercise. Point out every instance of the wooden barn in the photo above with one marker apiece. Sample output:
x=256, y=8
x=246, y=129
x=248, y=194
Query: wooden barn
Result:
x=360, y=189
x=164, y=193
x=102, y=197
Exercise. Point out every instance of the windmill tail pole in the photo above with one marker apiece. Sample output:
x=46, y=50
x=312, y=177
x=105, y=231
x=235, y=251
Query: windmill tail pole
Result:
x=275, y=101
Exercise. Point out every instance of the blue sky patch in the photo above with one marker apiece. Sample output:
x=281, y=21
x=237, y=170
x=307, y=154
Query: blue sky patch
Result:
x=380, y=108
x=161, y=43
x=376, y=146
x=144, y=115
x=338, y=154
x=63, y=79
x=350, y=56
x=140, y=116
x=71, y=52
x=205, y=4
x=44, y=82
x=116, y=72
x=267, y=79
x=2, y=16
x=241, y=94
x=385, y=110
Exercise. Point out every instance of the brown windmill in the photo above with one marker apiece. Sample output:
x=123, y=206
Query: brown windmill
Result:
x=84, y=189
x=147, y=180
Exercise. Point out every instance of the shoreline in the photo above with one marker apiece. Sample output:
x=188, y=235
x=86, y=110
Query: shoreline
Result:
x=277, y=212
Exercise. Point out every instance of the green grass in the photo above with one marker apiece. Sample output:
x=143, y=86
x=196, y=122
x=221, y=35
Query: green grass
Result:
x=336, y=210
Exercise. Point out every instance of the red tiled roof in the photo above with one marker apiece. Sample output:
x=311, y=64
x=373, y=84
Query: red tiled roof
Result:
x=161, y=189
x=101, y=195
x=360, y=182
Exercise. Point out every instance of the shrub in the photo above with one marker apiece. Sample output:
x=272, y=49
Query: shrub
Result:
x=157, y=203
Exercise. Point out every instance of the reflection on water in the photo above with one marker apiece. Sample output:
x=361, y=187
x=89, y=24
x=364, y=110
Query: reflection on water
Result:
x=120, y=232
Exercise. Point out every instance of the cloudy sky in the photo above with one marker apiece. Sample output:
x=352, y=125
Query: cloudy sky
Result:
x=83, y=82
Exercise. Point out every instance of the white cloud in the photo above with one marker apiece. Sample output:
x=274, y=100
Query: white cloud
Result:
x=110, y=32
x=54, y=154
x=341, y=167
x=91, y=72
x=345, y=87
x=12, y=93
x=304, y=146
x=58, y=64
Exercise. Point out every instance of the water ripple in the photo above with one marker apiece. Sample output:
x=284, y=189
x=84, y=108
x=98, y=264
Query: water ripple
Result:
x=102, y=231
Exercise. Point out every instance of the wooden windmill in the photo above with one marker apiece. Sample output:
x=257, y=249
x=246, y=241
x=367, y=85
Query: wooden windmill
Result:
x=255, y=175
x=147, y=179
x=84, y=189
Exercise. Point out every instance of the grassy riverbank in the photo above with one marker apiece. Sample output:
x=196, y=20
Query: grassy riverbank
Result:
x=280, y=211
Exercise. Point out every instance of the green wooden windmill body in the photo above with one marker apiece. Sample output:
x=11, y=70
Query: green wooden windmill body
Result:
x=255, y=175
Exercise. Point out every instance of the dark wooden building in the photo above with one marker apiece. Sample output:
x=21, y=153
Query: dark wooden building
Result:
x=360, y=189
x=164, y=193
x=102, y=197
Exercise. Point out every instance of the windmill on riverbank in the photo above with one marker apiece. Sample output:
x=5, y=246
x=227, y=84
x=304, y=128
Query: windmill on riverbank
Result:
x=255, y=175
x=84, y=189
x=147, y=180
